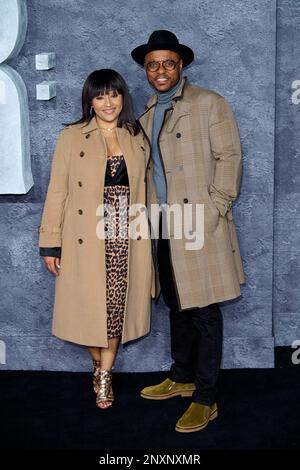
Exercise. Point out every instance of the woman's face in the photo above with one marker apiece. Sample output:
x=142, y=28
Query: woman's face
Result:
x=108, y=107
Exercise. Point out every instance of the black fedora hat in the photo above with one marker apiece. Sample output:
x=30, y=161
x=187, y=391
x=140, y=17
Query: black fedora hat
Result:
x=163, y=40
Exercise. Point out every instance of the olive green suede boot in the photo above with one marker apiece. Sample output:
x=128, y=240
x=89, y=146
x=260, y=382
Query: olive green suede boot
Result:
x=168, y=389
x=196, y=417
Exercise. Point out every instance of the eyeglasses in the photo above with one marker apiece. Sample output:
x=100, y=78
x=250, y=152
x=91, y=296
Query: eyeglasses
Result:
x=167, y=64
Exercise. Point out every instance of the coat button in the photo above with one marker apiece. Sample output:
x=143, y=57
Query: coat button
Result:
x=178, y=135
x=80, y=240
x=142, y=148
x=87, y=136
x=139, y=237
x=80, y=211
x=79, y=183
x=185, y=200
x=81, y=154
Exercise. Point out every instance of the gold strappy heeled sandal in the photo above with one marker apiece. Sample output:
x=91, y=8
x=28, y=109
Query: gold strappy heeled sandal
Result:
x=96, y=367
x=105, y=392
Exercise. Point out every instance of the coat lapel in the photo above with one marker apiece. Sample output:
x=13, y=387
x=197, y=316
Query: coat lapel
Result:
x=179, y=108
x=124, y=138
x=94, y=139
x=146, y=120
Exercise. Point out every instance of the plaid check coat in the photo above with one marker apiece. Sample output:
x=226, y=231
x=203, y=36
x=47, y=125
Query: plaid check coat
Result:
x=201, y=153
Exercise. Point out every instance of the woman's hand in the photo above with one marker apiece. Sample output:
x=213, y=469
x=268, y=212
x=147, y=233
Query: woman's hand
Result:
x=52, y=264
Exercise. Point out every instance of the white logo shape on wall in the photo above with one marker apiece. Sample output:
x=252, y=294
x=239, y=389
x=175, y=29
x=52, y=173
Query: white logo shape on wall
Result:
x=2, y=352
x=15, y=168
x=296, y=93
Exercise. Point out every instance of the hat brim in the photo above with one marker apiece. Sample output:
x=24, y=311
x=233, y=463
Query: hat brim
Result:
x=186, y=54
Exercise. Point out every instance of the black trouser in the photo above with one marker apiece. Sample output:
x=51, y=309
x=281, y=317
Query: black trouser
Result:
x=196, y=336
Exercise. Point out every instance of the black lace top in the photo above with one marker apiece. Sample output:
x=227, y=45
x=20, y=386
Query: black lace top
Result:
x=119, y=177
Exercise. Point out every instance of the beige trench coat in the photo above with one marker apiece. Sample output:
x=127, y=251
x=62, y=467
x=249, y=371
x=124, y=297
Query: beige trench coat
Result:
x=69, y=220
x=201, y=154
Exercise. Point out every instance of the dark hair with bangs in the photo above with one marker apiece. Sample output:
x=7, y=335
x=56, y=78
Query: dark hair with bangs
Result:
x=103, y=81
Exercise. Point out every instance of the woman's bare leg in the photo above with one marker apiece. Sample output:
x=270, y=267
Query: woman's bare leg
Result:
x=108, y=355
x=95, y=353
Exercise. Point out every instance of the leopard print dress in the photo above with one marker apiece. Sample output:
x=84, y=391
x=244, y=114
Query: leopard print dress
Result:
x=116, y=203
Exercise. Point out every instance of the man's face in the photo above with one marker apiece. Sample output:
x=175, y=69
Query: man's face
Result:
x=163, y=78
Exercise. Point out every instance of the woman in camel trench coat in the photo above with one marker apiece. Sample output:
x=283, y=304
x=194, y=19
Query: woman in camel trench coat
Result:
x=91, y=276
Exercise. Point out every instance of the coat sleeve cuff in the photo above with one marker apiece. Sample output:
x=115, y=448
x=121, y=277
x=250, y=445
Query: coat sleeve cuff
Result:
x=223, y=207
x=222, y=202
x=49, y=238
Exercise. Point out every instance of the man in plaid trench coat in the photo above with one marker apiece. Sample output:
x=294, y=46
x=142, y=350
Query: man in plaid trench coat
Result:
x=194, y=157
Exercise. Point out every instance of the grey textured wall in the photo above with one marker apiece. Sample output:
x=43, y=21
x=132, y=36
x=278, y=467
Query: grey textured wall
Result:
x=287, y=177
x=235, y=47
